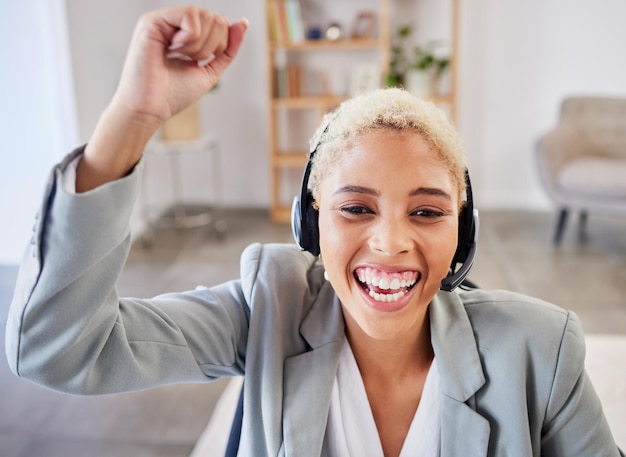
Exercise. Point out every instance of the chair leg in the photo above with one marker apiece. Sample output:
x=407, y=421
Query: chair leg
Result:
x=582, y=219
x=582, y=225
x=560, y=226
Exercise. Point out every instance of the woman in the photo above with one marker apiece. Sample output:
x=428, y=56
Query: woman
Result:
x=357, y=354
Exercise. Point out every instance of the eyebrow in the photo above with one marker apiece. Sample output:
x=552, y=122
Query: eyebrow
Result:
x=436, y=192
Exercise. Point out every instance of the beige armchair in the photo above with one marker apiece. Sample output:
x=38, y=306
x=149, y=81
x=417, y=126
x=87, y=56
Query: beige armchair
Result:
x=582, y=161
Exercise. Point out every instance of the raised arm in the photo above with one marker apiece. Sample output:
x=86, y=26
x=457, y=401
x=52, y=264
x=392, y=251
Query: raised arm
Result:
x=67, y=328
x=165, y=71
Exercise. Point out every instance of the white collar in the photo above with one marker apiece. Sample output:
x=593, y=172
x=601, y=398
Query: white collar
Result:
x=351, y=430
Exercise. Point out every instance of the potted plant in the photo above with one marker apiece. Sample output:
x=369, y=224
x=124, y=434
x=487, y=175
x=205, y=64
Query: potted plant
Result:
x=414, y=67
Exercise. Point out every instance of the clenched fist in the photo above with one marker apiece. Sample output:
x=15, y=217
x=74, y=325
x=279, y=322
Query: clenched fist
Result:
x=176, y=55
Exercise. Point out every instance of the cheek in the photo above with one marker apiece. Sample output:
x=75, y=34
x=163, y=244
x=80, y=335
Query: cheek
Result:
x=447, y=261
x=338, y=244
x=332, y=236
x=323, y=228
x=441, y=248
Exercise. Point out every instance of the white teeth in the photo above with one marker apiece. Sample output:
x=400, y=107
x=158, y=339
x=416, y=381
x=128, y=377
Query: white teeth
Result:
x=387, y=287
x=384, y=282
x=394, y=284
x=386, y=298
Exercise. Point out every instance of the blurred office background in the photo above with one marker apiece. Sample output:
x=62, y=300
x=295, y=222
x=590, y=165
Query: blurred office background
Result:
x=516, y=63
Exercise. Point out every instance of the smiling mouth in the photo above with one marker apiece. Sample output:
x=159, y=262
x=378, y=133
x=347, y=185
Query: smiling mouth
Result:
x=386, y=287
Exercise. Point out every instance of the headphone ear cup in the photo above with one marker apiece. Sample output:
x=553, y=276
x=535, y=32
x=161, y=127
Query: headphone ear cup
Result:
x=464, y=238
x=304, y=224
x=304, y=216
x=296, y=222
x=310, y=226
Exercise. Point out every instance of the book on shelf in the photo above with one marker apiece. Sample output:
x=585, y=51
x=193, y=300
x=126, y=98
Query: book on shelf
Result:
x=295, y=23
x=272, y=21
x=287, y=81
x=284, y=21
x=293, y=81
x=280, y=82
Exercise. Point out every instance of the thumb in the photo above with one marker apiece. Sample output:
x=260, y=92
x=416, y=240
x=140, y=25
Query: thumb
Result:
x=236, y=33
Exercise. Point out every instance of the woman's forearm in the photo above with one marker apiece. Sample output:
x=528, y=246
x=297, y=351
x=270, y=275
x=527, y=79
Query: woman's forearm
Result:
x=114, y=148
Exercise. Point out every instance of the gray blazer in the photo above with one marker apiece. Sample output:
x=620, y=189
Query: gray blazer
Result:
x=512, y=373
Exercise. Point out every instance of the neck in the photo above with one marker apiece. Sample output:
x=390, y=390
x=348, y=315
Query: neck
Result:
x=403, y=356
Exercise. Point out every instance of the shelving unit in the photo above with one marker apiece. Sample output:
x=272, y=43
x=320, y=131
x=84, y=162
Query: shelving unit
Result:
x=450, y=99
x=286, y=162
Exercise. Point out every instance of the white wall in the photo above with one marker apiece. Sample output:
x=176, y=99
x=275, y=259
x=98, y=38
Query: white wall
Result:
x=235, y=112
x=37, y=112
x=517, y=61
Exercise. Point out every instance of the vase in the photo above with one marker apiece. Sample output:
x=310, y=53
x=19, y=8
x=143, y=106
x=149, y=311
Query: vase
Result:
x=418, y=82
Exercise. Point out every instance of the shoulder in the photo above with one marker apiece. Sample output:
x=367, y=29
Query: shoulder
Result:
x=271, y=267
x=276, y=259
x=510, y=327
x=488, y=308
x=257, y=253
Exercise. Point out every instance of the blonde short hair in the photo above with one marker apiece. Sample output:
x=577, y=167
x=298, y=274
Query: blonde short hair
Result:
x=389, y=109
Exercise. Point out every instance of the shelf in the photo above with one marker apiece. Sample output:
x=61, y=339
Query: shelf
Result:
x=302, y=68
x=320, y=102
x=444, y=99
x=324, y=45
x=281, y=214
x=290, y=159
x=309, y=61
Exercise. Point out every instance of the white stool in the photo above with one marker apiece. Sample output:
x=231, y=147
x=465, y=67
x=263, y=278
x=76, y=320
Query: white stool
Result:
x=182, y=216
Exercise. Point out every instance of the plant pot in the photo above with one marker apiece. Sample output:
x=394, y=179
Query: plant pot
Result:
x=418, y=82
x=443, y=84
x=184, y=126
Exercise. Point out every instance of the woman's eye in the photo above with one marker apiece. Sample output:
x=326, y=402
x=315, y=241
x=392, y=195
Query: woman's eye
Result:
x=428, y=213
x=356, y=210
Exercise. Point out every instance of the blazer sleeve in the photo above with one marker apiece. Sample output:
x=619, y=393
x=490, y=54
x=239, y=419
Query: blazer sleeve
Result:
x=67, y=328
x=574, y=422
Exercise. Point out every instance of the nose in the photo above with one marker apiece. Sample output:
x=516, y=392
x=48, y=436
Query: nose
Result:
x=391, y=238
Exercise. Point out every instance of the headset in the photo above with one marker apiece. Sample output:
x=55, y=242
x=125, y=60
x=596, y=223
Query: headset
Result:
x=304, y=225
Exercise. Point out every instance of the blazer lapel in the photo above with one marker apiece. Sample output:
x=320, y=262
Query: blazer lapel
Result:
x=309, y=379
x=463, y=430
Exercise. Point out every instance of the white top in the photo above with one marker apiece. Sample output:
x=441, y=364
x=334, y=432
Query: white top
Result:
x=68, y=178
x=351, y=430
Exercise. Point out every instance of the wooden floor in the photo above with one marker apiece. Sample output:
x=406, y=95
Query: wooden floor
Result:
x=587, y=274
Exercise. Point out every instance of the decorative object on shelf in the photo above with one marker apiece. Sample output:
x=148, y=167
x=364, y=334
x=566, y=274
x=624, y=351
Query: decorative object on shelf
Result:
x=418, y=82
x=363, y=26
x=364, y=78
x=333, y=32
x=314, y=33
x=415, y=67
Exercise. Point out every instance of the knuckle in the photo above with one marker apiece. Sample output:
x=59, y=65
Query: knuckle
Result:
x=221, y=20
x=205, y=15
